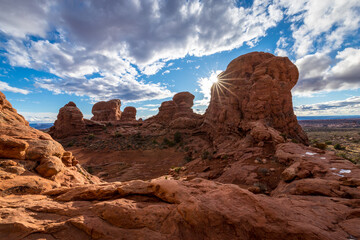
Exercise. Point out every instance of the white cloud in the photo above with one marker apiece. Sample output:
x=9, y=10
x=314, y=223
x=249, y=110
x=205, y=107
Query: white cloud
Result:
x=22, y=18
x=166, y=72
x=5, y=87
x=39, y=117
x=343, y=107
x=318, y=74
x=119, y=40
x=321, y=25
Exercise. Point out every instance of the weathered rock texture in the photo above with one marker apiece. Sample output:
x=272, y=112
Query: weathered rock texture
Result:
x=307, y=193
x=170, y=209
x=107, y=111
x=70, y=122
x=255, y=87
x=129, y=114
x=177, y=113
x=26, y=153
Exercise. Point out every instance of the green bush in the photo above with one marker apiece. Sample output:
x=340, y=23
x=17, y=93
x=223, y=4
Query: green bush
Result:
x=91, y=136
x=321, y=146
x=177, y=137
x=339, y=147
x=206, y=155
x=117, y=135
x=169, y=143
x=328, y=142
x=188, y=158
x=90, y=170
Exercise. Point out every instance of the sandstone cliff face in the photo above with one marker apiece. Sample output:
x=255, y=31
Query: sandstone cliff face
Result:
x=255, y=87
x=26, y=153
x=107, y=111
x=70, y=122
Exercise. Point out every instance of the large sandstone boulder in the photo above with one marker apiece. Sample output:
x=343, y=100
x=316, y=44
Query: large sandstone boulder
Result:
x=255, y=87
x=107, y=111
x=129, y=114
x=70, y=122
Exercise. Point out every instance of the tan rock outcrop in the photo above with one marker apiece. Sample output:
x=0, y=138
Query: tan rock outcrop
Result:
x=107, y=111
x=255, y=87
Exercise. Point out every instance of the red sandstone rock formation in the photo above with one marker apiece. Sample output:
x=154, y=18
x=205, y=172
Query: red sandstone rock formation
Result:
x=177, y=113
x=170, y=209
x=315, y=194
x=255, y=87
x=70, y=122
x=26, y=152
x=107, y=111
x=129, y=114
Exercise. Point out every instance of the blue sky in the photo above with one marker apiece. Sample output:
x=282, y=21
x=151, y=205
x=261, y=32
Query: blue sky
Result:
x=143, y=52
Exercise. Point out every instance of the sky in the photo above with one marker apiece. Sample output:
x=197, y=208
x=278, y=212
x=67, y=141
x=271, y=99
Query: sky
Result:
x=145, y=51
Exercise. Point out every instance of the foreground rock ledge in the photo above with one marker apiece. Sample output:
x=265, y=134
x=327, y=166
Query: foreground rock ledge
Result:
x=170, y=209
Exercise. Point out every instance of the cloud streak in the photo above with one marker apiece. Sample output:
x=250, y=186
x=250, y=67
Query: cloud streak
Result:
x=6, y=87
x=343, y=107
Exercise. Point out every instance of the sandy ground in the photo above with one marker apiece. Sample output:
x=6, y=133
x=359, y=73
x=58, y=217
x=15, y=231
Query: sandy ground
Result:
x=130, y=164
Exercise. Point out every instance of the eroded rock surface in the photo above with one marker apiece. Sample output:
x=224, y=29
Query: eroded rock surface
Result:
x=70, y=122
x=164, y=209
x=268, y=183
x=107, y=111
x=30, y=160
x=129, y=114
x=255, y=87
x=177, y=113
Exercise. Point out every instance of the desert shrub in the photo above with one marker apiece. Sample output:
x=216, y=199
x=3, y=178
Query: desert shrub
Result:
x=154, y=142
x=263, y=187
x=104, y=127
x=117, y=135
x=206, y=155
x=71, y=143
x=294, y=140
x=90, y=170
x=137, y=136
x=177, y=169
x=91, y=136
x=321, y=146
x=284, y=135
x=338, y=146
x=328, y=142
x=169, y=143
x=188, y=158
x=177, y=137
x=263, y=171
